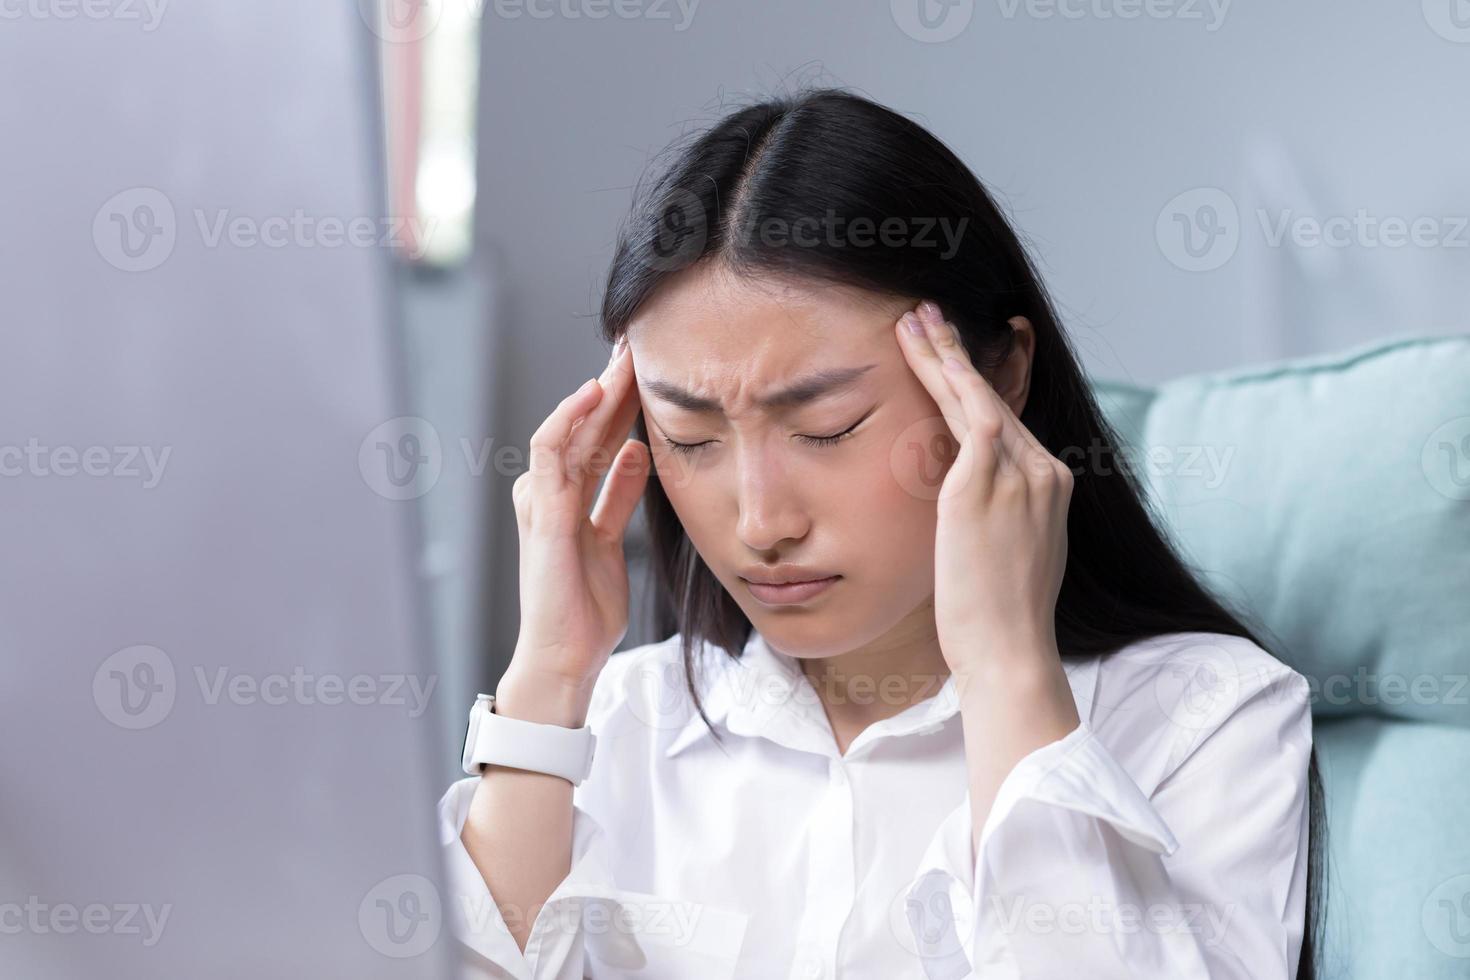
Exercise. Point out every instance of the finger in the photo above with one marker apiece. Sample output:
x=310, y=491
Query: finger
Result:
x=622, y=490
x=547, y=467
x=919, y=350
x=989, y=406
x=596, y=443
x=1025, y=451
x=1037, y=459
x=982, y=461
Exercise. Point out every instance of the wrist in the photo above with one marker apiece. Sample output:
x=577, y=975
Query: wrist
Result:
x=1015, y=668
x=528, y=696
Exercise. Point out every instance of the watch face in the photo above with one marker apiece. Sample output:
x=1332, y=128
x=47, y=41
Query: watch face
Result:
x=469, y=740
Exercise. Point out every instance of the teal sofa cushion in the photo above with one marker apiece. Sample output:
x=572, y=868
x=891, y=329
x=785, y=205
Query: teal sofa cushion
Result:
x=1398, y=869
x=1328, y=499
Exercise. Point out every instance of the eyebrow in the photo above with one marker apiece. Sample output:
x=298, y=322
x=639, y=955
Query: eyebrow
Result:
x=807, y=389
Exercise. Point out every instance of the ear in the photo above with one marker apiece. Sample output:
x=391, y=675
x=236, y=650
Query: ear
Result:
x=1012, y=380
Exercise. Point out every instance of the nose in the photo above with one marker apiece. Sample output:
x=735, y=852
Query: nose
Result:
x=772, y=508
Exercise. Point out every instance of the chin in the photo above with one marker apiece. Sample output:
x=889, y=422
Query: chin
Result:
x=808, y=634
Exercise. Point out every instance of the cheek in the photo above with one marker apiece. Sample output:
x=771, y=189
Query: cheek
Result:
x=875, y=498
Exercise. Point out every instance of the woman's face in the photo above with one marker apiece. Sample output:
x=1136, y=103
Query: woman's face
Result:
x=756, y=492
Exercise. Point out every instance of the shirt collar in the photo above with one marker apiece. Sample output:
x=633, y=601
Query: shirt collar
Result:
x=763, y=693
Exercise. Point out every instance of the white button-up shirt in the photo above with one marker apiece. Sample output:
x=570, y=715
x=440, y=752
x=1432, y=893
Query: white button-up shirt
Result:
x=1164, y=837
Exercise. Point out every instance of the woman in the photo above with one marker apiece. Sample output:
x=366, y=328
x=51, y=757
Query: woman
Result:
x=1000, y=730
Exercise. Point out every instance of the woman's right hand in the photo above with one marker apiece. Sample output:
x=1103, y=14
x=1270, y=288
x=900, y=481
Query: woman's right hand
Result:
x=573, y=576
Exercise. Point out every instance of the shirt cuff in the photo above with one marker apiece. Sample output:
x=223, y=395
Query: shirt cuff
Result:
x=1076, y=773
x=475, y=918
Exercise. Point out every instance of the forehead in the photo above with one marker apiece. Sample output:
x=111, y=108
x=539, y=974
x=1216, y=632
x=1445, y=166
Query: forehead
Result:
x=707, y=318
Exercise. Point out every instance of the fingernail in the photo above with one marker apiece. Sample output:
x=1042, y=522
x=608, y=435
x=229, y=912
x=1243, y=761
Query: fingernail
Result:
x=912, y=322
x=929, y=310
x=586, y=386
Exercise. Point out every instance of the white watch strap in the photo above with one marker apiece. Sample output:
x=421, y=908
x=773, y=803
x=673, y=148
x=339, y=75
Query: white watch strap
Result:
x=501, y=741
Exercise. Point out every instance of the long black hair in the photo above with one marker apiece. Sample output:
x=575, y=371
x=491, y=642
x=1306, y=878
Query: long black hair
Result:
x=761, y=192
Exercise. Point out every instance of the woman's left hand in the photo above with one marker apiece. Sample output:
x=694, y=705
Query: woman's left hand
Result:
x=1001, y=544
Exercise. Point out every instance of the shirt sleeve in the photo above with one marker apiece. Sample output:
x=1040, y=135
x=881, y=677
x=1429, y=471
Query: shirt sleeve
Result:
x=555, y=949
x=1080, y=872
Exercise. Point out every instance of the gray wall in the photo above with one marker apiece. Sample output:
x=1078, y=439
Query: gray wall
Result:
x=159, y=750
x=1085, y=127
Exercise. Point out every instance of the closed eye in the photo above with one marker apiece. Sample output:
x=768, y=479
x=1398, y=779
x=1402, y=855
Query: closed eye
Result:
x=689, y=447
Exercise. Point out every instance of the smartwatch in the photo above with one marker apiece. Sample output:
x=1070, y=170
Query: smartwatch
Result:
x=500, y=741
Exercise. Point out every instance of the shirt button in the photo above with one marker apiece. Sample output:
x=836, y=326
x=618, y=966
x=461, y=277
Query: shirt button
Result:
x=839, y=778
x=813, y=968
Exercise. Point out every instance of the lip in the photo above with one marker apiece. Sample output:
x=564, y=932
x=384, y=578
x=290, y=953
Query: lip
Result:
x=790, y=593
